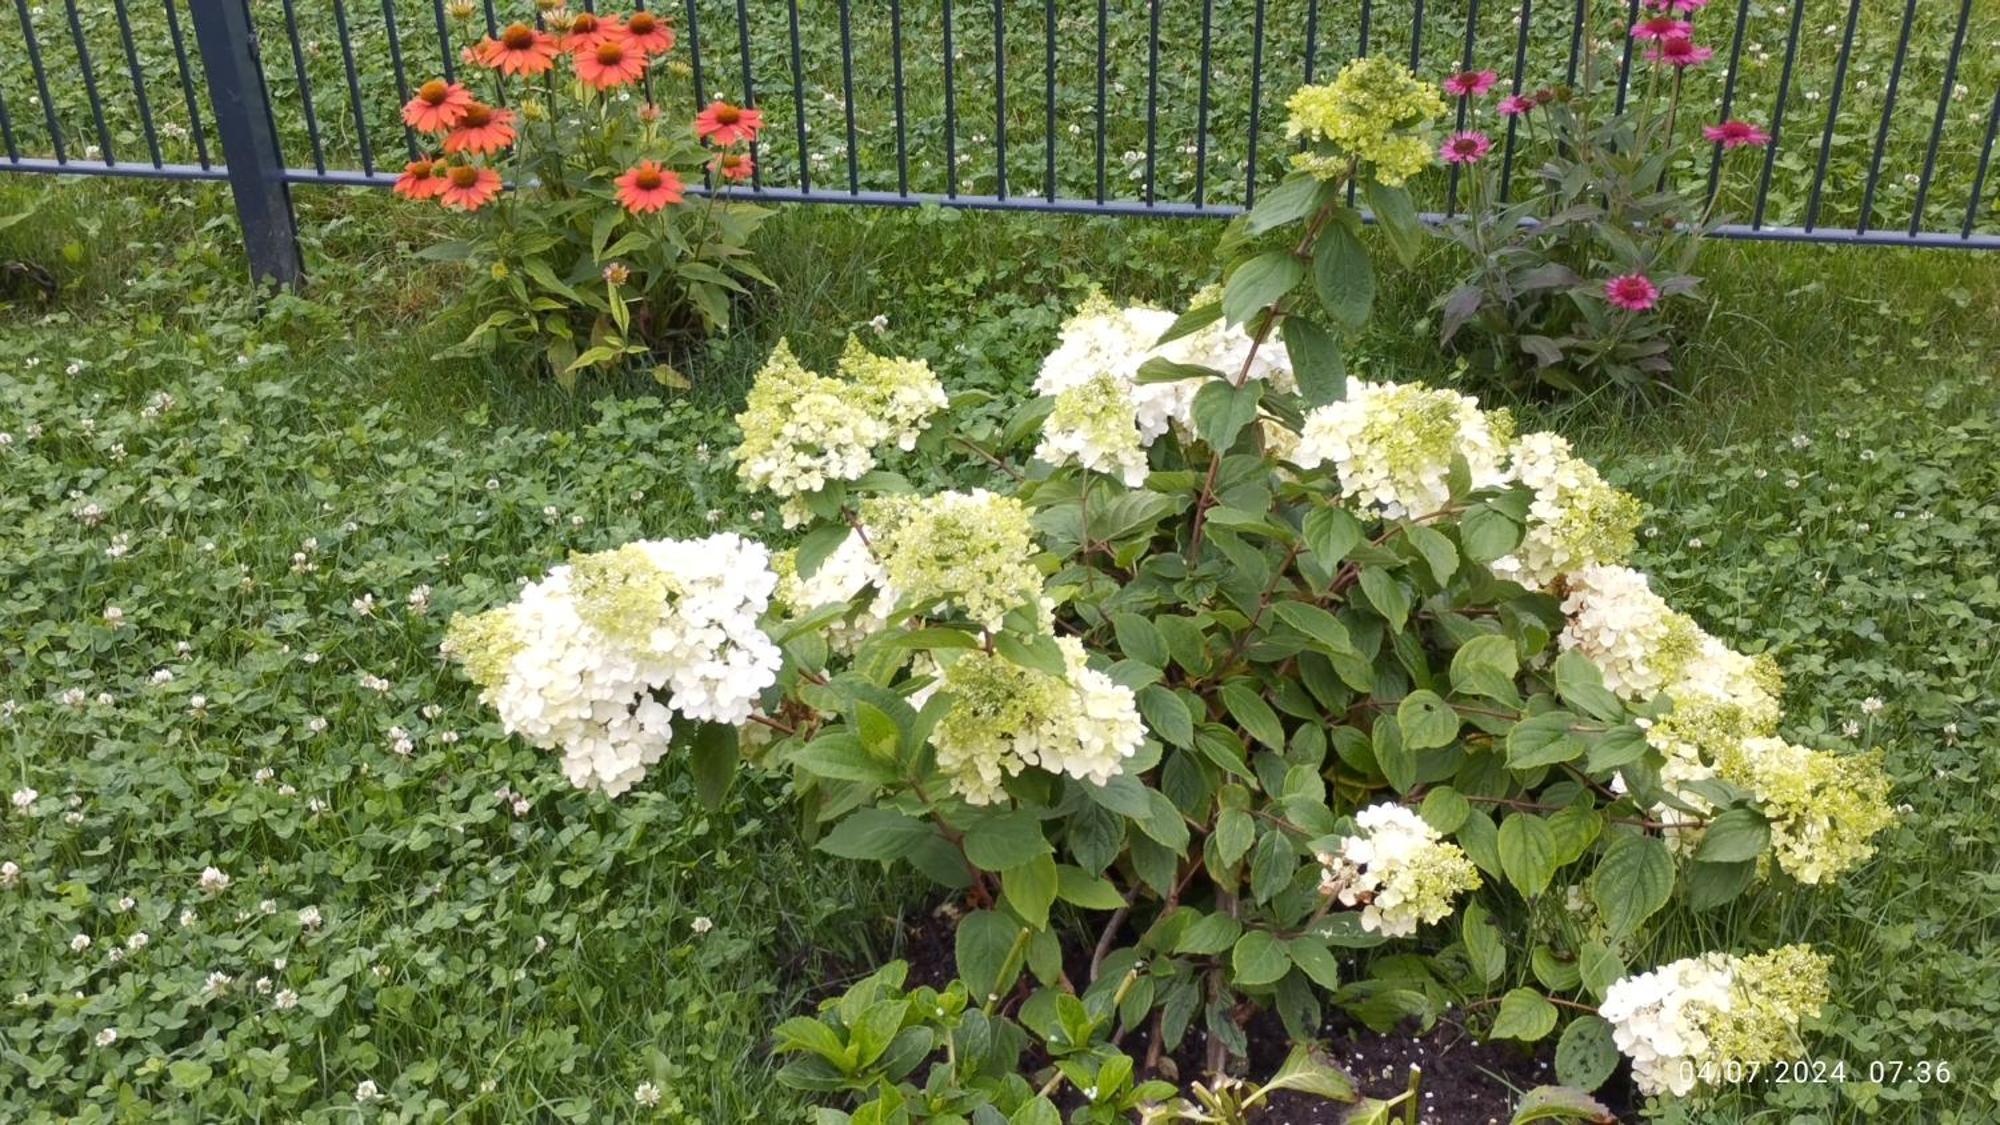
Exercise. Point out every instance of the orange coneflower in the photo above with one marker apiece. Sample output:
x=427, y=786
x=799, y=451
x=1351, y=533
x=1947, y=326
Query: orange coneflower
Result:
x=470, y=188
x=733, y=166
x=648, y=188
x=482, y=129
x=421, y=179
x=649, y=33
x=437, y=106
x=610, y=64
x=588, y=31
x=726, y=124
x=520, y=50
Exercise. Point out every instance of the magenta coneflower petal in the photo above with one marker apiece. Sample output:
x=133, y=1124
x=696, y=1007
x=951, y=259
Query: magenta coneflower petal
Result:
x=1633, y=291
x=1465, y=148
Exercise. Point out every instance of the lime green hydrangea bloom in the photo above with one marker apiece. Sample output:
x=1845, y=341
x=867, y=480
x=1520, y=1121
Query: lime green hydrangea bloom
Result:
x=1825, y=808
x=1093, y=425
x=484, y=644
x=1770, y=994
x=622, y=593
x=902, y=394
x=1375, y=112
x=973, y=550
x=1575, y=520
x=1002, y=717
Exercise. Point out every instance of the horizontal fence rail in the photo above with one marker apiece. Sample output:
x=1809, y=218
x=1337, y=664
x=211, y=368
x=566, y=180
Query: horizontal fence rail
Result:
x=1883, y=113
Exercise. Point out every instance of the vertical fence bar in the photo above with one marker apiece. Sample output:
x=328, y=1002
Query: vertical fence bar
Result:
x=1312, y=40
x=1728, y=95
x=1417, y=36
x=227, y=38
x=1049, y=188
x=354, y=88
x=444, y=42
x=1888, y=115
x=1464, y=103
x=1778, y=116
x=847, y=99
x=1514, y=122
x=1152, y=94
x=1943, y=109
x=1832, y=112
x=1578, y=28
x=696, y=78
x=1985, y=160
x=1201, y=108
x=132, y=67
x=1103, y=64
x=90, y=82
x=7, y=131
x=396, y=65
x=950, y=110
x=1000, y=97
x=1625, y=57
x=902, y=126
x=1256, y=102
x=799, y=99
x=41, y=81
x=187, y=86
x=1367, y=21
x=305, y=87
x=749, y=85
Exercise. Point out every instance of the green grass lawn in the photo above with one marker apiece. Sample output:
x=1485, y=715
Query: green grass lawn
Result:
x=239, y=487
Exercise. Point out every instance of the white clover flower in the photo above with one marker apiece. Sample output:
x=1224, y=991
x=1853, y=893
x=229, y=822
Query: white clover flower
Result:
x=285, y=1000
x=573, y=665
x=125, y=904
x=189, y=917
x=79, y=943
x=1575, y=519
x=217, y=983
x=24, y=800
x=1871, y=706
x=1397, y=869
x=702, y=925
x=1697, y=1016
x=10, y=875
x=213, y=881
x=106, y=1037
x=419, y=600
x=366, y=1091
x=364, y=606
x=309, y=918
x=646, y=1094
x=1392, y=445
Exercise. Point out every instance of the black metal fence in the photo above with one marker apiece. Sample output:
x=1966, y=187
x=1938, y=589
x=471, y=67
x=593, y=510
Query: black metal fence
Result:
x=1883, y=113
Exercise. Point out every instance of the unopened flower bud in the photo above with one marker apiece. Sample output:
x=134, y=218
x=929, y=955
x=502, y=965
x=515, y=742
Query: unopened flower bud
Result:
x=617, y=273
x=534, y=110
x=461, y=10
x=649, y=113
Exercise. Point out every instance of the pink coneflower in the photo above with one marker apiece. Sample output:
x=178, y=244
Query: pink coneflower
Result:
x=1470, y=83
x=1678, y=7
x=1633, y=291
x=1662, y=27
x=1678, y=51
x=1514, y=105
x=1736, y=134
x=1465, y=148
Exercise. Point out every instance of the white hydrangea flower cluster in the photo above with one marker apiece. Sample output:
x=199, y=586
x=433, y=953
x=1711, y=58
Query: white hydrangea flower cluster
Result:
x=1636, y=640
x=575, y=663
x=1824, y=808
x=1398, y=869
x=1392, y=445
x=802, y=429
x=1104, y=419
x=1575, y=520
x=841, y=577
x=1692, y=1018
x=1005, y=718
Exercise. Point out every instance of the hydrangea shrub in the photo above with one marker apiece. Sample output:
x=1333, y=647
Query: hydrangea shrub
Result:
x=1238, y=672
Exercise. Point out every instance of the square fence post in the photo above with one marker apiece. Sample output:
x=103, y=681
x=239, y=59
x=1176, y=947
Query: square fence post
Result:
x=228, y=43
